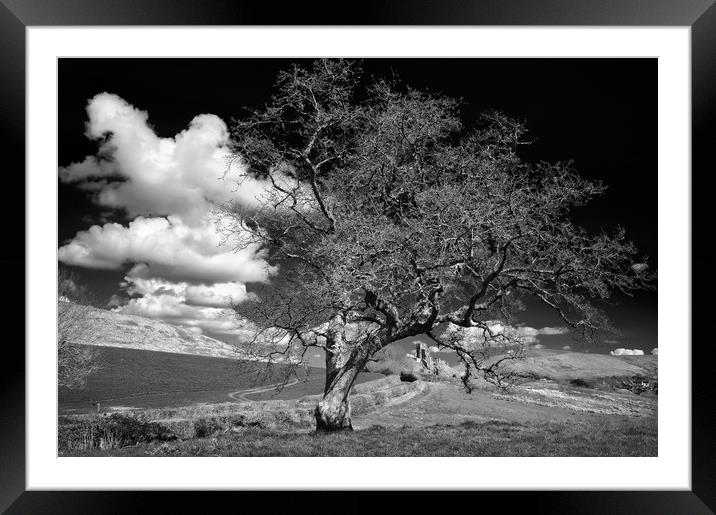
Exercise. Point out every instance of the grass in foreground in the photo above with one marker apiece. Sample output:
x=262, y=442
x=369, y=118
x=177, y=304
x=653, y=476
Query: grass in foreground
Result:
x=614, y=436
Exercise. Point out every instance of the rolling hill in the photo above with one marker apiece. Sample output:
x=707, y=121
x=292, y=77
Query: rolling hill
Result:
x=112, y=329
x=146, y=363
x=557, y=365
x=132, y=378
x=566, y=365
x=151, y=363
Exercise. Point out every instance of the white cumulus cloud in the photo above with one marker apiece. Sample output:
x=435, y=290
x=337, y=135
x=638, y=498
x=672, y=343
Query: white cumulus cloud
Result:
x=145, y=174
x=627, y=352
x=219, y=295
x=168, y=248
x=216, y=295
x=181, y=270
x=169, y=303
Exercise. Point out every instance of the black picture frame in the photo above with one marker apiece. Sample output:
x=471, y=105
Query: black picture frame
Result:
x=700, y=15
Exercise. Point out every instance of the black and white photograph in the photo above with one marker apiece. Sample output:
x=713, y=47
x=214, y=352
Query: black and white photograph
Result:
x=393, y=257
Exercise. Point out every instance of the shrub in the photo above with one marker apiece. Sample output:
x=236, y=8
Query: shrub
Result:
x=639, y=385
x=206, y=427
x=108, y=432
x=581, y=382
x=408, y=377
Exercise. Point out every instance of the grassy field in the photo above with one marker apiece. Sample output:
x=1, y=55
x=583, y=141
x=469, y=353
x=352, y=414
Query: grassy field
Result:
x=595, y=436
x=544, y=419
x=548, y=414
x=150, y=379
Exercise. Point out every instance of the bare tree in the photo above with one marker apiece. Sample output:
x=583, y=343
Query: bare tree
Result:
x=389, y=220
x=76, y=331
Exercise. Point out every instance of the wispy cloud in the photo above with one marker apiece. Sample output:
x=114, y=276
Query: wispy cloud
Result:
x=528, y=335
x=531, y=334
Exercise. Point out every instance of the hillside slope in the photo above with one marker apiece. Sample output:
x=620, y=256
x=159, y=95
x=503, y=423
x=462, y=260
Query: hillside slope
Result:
x=112, y=329
x=131, y=378
x=565, y=366
x=572, y=365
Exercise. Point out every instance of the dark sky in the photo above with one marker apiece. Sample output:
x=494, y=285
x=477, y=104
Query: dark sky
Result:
x=601, y=113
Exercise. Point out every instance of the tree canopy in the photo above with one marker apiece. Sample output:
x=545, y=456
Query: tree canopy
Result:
x=388, y=218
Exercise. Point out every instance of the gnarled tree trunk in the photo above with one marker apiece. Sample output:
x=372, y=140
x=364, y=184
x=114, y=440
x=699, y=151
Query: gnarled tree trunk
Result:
x=333, y=412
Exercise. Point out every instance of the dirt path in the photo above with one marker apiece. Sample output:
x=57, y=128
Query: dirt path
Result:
x=241, y=395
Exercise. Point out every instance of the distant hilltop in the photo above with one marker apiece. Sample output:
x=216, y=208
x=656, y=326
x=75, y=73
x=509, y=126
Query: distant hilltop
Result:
x=112, y=329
